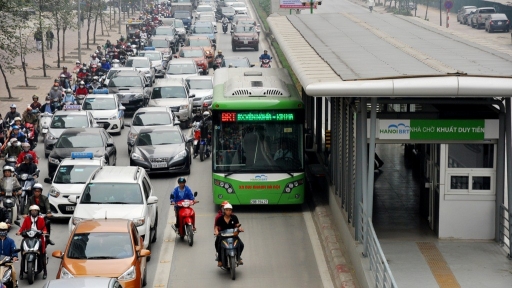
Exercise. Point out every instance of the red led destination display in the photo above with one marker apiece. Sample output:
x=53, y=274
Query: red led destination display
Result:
x=257, y=116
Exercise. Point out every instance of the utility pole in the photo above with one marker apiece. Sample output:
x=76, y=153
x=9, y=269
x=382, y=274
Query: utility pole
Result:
x=440, y=14
x=120, y=16
x=79, y=32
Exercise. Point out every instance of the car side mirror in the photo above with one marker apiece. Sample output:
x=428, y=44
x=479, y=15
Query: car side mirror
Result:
x=192, y=95
x=73, y=198
x=152, y=200
x=48, y=180
x=57, y=254
x=190, y=140
x=122, y=107
x=144, y=253
x=232, y=31
x=252, y=64
x=195, y=194
x=147, y=85
x=110, y=144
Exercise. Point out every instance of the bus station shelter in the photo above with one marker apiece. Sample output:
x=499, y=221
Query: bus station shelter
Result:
x=372, y=79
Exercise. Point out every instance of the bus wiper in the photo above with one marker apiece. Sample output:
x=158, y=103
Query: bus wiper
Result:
x=232, y=172
x=285, y=171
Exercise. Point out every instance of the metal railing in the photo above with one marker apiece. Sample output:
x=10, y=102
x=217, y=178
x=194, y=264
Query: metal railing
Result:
x=378, y=264
x=504, y=229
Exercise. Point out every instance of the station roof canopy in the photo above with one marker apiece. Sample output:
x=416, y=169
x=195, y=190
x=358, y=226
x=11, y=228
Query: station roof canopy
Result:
x=357, y=53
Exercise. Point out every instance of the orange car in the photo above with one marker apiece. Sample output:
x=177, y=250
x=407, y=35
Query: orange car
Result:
x=197, y=53
x=206, y=43
x=105, y=248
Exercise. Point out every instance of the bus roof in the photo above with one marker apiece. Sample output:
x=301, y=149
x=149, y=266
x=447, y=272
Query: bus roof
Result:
x=254, y=88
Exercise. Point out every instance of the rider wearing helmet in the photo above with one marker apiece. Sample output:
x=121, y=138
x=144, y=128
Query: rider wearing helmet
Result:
x=28, y=166
x=43, y=203
x=204, y=127
x=13, y=148
x=104, y=64
x=77, y=67
x=220, y=212
x=8, y=173
x=69, y=98
x=94, y=60
x=26, y=151
x=221, y=57
x=228, y=221
x=34, y=219
x=181, y=192
x=81, y=90
x=8, y=247
x=9, y=116
x=35, y=103
x=16, y=133
x=64, y=81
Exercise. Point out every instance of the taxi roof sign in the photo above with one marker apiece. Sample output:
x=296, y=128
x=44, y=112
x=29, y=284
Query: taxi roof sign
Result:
x=149, y=48
x=72, y=107
x=82, y=155
x=100, y=91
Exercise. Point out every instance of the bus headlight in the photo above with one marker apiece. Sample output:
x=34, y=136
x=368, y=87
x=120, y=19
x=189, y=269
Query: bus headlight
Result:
x=228, y=187
x=289, y=186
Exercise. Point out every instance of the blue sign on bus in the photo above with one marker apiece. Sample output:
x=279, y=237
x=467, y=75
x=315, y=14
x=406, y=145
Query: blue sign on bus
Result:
x=78, y=155
x=100, y=91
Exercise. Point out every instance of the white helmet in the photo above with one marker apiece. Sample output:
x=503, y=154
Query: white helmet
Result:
x=13, y=105
x=8, y=168
x=206, y=114
x=34, y=207
x=95, y=78
x=228, y=206
x=82, y=83
x=25, y=144
x=17, y=118
x=37, y=186
x=69, y=91
x=3, y=226
x=77, y=62
x=62, y=76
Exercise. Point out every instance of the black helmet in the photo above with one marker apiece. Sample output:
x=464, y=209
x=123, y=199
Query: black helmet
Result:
x=28, y=156
x=182, y=180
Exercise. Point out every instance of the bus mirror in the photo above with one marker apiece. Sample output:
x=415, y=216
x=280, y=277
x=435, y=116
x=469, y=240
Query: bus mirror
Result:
x=308, y=141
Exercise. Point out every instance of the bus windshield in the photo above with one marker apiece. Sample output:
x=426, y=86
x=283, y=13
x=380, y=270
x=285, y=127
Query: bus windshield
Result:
x=262, y=147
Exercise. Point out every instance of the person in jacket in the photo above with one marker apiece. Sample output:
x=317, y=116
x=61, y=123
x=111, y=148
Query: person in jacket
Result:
x=8, y=247
x=228, y=221
x=26, y=151
x=38, y=36
x=181, y=192
x=35, y=103
x=9, y=116
x=30, y=117
x=16, y=133
x=82, y=90
x=13, y=148
x=55, y=93
x=68, y=98
x=104, y=64
x=49, y=39
x=34, y=221
x=42, y=202
x=28, y=166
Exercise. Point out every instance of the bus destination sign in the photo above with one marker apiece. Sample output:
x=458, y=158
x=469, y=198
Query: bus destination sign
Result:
x=257, y=116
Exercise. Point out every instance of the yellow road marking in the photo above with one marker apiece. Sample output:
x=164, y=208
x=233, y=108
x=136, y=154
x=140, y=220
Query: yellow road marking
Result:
x=438, y=266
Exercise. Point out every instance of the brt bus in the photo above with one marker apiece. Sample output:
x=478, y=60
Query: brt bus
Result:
x=257, y=139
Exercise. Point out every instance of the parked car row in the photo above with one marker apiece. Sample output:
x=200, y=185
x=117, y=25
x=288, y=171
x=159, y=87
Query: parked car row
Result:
x=483, y=17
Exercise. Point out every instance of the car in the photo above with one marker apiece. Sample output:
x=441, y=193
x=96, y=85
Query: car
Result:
x=143, y=65
x=202, y=88
x=84, y=282
x=203, y=28
x=497, y=22
x=205, y=43
x=478, y=20
x=113, y=71
x=180, y=28
x=119, y=192
x=64, y=119
x=175, y=94
x=237, y=62
x=105, y=248
x=168, y=31
x=237, y=17
x=462, y=11
x=468, y=12
x=184, y=16
x=95, y=140
x=156, y=58
x=148, y=117
x=470, y=17
x=131, y=87
x=228, y=12
x=106, y=110
x=239, y=7
x=196, y=53
x=162, y=44
x=245, y=36
x=211, y=18
x=204, y=8
x=70, y=179
x=162, y=149
x=182, y=68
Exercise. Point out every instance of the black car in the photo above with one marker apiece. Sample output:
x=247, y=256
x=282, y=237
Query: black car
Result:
x=497, y=22
x=95, y=140
x=162, y=149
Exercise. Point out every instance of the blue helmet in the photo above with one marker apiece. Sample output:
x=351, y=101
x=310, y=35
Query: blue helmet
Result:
x=15, y=127
x=182, y=180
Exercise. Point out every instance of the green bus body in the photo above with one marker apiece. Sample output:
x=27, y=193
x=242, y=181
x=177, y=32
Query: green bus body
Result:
x=257, y=139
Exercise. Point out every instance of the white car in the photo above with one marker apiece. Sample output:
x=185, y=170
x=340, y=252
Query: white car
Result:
x=240, y=7
x=113, y=72
x=202, y=88
x=156, y=58
x=119, y=192
x=70, y=179
x=173, y=93
x=181, y=68
x=106, y=110
x=204, y=8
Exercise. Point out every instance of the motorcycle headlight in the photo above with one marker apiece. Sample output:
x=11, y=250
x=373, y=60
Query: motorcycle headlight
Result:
x=147, y=72
x=64, y=274
x=112, y=117
x=54, y=192
x=128, y=275
x=136, y=156
x=209, y=97
x=182, y=107
x=7, y=276
x=77, y=220
x=139, y=221
x=51, y=136
x=181, y=155
x=53, y=160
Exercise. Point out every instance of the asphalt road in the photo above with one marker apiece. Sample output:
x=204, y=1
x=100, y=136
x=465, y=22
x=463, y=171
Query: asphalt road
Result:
x=279, y=250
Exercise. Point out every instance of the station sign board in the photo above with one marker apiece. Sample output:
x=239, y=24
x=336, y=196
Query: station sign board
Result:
x=295, y=4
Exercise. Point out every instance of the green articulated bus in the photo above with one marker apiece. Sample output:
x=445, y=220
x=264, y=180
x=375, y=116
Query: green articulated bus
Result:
x=258, y=137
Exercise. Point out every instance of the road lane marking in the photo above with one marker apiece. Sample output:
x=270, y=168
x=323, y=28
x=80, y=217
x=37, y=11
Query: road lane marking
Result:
x=317, y=249
x=163, y=269
x=438, y=266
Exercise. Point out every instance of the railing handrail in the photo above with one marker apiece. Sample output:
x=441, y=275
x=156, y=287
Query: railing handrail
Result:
x=504, y=228
x=383, y=261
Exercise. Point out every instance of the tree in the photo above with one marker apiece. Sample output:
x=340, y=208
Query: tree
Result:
x=41, y=7
x=9, y=12
x=89, y=4
x=63, y=19
x=25, y=47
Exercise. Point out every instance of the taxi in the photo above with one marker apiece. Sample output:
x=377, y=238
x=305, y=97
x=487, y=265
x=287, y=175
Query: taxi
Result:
x=106, y=110
x=105, y=248
x=70, y=179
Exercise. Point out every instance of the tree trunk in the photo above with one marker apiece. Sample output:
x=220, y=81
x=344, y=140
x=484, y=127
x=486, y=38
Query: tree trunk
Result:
x=23, y=51
x=6, y=82
x=95, y=24
x=58, y=44
x=101, y=22
x=426, y=11
x=42, y=34
x=64, y=43
x=88, y=24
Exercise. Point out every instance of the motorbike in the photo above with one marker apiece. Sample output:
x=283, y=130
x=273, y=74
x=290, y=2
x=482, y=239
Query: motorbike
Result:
x=218, y=64
x=196, y=133
x=30, y=132
x=6, y=268
x=229, y=251
x=26, y=182
x=265, y=63
x=9, y=200
x=204, y=149
x=225, y=27
x=32, y=259
x=44, y=122
x=10, y=160
x=187, y=219
x=80, y=99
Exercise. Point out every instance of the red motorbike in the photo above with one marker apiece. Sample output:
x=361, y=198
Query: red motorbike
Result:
x=187, y=219
x=265, y=63
x=30, y=129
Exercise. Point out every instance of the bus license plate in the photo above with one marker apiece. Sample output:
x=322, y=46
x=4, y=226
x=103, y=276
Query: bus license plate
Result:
x=259, y=201
x=246, y=42
x=70, y=208
x=159, y=165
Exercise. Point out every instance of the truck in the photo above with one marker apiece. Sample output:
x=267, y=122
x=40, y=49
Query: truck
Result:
x=182, y=11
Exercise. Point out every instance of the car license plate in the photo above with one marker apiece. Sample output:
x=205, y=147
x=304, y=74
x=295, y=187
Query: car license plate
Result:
x=70, y=208
x=159, y=165
x=259, y=201
x=123, y=101
x=246, y=42
x=45, y=131
x=499, y=23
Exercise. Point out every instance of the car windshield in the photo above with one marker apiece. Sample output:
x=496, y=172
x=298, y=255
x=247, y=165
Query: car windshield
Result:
x=69, y=121
x=151, y=56
x=199, y=84
x=100, y=246
x=499, y=17
x=80, y=140
x=73, y=174
x=137, y=63
x=238, y=4
x=111, y=193
x=482, y=11
x=203, y=30
x=228, y=10
x=168, y=92
x=181, y=15
x=159, y=43
x=236, y=62
x=164, y=31
x=99, y=104
x=204, y=8
x=128, y=81
x=177, y=69
x=199, y=42
x=191, y=53
x=207, y=18
x=244, y=29
x=470, y=11
x=178, y=24
x=151, y=119
x=159, y=138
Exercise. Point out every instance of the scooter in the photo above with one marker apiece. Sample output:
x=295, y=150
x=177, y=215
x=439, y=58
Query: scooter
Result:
x=44, y=122
x=30, y=129
x=187, y=218
x=9, y=200
x=204, y=149
x=80, y=99
x=225, y=27
x=218, y=64
x=265, y=63
x=10, y=160
x=26, y=182
x=32, y=259
x=229, y=251
x=6, y=269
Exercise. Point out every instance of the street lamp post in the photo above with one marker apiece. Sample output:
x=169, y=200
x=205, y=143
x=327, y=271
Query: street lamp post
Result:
x=79, y=32
x=311, y=6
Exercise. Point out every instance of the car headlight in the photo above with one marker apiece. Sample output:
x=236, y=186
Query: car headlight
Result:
x=132, y=136
x=139, y=221
x=77, y=220
x=54, y=192
x=180, y=155
x=138, y=96
x=209, y=97
x=50, y=136
x=136, y=156
x=64, y=274
x=182, y=107
x=113, y=117
x=53, y=160
x=128, y=275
